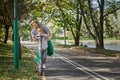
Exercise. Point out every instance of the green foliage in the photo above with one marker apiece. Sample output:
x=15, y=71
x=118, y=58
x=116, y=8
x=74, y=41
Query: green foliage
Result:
x=67, y=14
x=85, y=38
x=7, y=14
x=61, y=38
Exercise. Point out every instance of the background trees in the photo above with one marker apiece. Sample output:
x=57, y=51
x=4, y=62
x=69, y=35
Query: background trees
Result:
x=97, y=10
x=6, y=15
x=97, y=18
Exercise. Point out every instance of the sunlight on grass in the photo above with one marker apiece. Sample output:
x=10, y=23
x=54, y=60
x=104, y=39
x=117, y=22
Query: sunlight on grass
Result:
x=26, y=69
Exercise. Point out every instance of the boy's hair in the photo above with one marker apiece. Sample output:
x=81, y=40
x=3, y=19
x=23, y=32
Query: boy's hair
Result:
x=40, y=29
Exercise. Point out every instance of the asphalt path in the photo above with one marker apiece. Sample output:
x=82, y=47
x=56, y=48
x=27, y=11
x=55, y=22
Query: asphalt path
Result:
x=70, y=64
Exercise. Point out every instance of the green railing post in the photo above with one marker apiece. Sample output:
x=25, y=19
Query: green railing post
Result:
x=15, y=30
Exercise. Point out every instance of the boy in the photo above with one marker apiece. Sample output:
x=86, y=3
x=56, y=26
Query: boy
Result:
x=42, y=45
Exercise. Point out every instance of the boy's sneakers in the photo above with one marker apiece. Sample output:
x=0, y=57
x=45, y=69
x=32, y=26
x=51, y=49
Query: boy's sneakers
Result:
x=44, y=66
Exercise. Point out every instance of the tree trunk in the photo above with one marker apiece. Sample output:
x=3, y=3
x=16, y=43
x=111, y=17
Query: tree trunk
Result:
x=77, y=40
x=6, y=34
x=101, y=41
x=64, y=36
x=78, y=26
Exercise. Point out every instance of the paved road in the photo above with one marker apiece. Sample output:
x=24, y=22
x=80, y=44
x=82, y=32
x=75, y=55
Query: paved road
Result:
x=69, y=64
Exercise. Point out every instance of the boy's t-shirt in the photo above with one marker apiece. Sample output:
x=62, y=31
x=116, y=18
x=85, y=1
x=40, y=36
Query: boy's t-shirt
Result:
x=44, y=40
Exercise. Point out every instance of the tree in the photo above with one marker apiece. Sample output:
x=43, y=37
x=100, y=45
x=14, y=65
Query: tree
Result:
x=6, y=14
x=71, y=17
x=97, y=16
x=6, y=17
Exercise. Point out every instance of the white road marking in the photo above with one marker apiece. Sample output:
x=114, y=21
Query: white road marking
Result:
x=82, y=68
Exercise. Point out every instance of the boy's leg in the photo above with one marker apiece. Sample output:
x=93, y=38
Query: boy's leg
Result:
x=44, y=56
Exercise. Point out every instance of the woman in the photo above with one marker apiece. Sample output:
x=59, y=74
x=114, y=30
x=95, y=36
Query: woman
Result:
x=36, y=26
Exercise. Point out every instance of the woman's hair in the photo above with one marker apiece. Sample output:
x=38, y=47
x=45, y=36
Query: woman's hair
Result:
x=34, y=21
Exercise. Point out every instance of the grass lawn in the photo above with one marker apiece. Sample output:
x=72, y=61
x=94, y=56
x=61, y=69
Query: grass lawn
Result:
x=106, y=52
x=26, y=69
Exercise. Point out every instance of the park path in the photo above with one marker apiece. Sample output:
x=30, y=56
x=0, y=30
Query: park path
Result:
x=71, y=64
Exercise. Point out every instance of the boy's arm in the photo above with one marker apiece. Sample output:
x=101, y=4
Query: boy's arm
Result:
x=33, y=34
